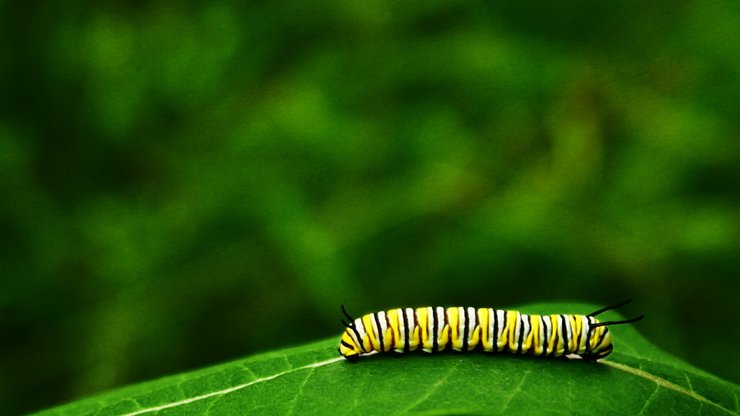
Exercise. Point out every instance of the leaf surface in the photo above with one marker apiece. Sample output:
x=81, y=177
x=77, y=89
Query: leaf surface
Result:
x=637, y=378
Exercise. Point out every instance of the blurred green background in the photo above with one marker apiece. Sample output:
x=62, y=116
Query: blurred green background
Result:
x=185, y=184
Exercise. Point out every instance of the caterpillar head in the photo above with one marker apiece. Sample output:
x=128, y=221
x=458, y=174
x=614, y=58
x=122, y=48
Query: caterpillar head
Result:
x=599, y=342
x=349, y=346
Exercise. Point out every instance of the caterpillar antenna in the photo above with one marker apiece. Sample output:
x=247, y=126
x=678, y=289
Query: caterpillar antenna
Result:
x=608, y=308
x=349, y=318
x=626, y=321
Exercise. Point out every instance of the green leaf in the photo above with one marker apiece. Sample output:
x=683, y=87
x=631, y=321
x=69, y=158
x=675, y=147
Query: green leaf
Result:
x=637, y=378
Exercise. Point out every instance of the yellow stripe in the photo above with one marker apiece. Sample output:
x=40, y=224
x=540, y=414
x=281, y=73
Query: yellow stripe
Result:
x=387, y=346
x=575, y=324
x=596, y=336
x=396, y=328
x=349, y=340
x=483, y=325
x=423, y=324
x=511, y=321
x=413, y=334
x=503, y=339
x=582, y=340
x=554, y=341
x=453, y=315
x=444, y=336
x=536, y=336
x=475, y=333
x=367, y=320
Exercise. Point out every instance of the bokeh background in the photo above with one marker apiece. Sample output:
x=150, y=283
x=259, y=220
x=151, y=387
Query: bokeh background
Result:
x=183, y=184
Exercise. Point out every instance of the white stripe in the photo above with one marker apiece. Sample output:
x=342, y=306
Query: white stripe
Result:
x=412, y=321
x=490, y=330
x=471, y=326
x=517, y=329
x=460, y=325
x=526, y=329
x=430, y=329
x=412, y=325
x=584, y=333
x=500, y=314
x=360, y=327
x=384, y=328
x=231, y=389
x=401, y=331
x=440, y=325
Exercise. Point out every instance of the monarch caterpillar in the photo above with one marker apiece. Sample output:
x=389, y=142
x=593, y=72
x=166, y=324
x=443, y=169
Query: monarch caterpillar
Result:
x=465, y=329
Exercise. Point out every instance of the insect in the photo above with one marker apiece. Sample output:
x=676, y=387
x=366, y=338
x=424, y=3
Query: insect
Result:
x=435, y=329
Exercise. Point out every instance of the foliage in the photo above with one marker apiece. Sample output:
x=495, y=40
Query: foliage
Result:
x=167, y=165
x=637, y=379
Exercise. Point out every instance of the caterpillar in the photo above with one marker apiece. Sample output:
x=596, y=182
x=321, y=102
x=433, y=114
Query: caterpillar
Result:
x=435, y=329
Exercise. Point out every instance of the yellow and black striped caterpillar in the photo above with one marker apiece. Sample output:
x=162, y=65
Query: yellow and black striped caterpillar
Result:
x=465, y=329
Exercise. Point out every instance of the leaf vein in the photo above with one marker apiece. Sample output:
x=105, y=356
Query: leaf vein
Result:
x=233, y=388
x=210, y=405
x=665, y=384
x=516, y=391
x=649, y=399
x=298, y=394
x=688, y=381
x=432, y=389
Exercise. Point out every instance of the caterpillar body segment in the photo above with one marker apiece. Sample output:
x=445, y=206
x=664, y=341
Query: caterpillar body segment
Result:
x=435, y=329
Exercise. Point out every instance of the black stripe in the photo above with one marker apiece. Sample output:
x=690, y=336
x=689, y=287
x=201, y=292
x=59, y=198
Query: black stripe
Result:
x=544, y=334
x=406, y=331
x=447, y=325
x=578, y=337
x=393, y=336
x=347, y=345
x=603, y=335
x=434, y=330
x=503, y=328
x=495, y=331
x=473, y=326
x=508, y=335
x=476, y=314
x=521, y=335
x=465, y=330
x=359, y=338
x=380, y=331
x=416, y=324
x=479, y=324
x=485, y=330
x=565, y=334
